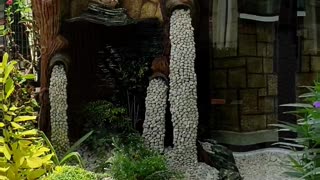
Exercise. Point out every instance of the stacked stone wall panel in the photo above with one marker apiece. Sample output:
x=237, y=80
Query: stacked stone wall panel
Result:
x=250, y=73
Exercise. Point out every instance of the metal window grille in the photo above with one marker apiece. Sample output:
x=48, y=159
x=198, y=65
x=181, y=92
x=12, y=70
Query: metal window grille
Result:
x=2, y=21
x=21, y=37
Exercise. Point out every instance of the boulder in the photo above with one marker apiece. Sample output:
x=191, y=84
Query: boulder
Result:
x=219, y=157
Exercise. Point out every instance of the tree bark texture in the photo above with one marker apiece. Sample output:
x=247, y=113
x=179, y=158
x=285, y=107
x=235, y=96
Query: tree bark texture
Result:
x=47, y=14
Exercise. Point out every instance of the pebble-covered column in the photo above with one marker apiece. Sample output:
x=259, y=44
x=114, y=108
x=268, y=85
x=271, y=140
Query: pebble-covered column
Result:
x=154, y=123
x=58, y=111
x=183, y=93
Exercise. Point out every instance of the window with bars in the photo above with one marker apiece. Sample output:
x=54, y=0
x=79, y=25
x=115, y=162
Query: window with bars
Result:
x=2, y=21
x=20, y=36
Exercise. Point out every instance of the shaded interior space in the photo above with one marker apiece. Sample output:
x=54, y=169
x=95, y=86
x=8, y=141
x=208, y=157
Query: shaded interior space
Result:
x=104, y=50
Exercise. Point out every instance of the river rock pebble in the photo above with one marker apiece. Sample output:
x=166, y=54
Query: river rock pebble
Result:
x=183, y=93
x=266, y=164
x=58, y=111
x=154, y=123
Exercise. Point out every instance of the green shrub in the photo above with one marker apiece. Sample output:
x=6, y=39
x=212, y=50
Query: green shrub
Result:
x=131, y=160
x=72, y=173
x=306, y=165
x=106, y=120
x=101, y=112
x=24, y=154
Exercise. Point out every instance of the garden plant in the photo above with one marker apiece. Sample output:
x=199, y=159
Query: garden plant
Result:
x=305, y=163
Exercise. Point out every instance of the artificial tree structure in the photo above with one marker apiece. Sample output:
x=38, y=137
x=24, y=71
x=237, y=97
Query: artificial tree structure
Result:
x=182, y=91
x=183, y=83
x=47, y=14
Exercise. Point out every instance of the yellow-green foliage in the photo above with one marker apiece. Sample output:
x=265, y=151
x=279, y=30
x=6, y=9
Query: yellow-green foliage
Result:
x=23, y=154
x=71, y=173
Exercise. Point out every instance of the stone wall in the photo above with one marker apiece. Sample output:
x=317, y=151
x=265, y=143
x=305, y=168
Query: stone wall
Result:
x=309, y=65
x=245, y=79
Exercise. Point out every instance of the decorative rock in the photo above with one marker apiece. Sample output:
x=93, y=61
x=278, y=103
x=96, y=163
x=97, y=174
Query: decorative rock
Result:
x=92, y=160
x=58, y=111
x=222, y=159
x=183, y=94
x=154, y=124
x=201, y=171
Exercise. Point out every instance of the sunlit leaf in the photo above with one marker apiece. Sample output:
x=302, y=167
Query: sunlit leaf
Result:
x=2, y=125
x=31, y=132
x=47, y=158
x=4, y=169
x=24, y=143
x=34, y=162
x=3, y=178
x=12, y=173
x=9, y=87
x=7, y=152
x=4, y=108
x=5, y=59
x=40, y=152
x=13, y=108
x=9, y=69
x=16, y=125
x=11, y=113
x=18, y=157
x=7, y=118
x=29, y=76
x=35, y=174
x=24, y=118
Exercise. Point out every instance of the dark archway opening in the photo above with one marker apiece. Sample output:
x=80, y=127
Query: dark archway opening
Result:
x=92, y=47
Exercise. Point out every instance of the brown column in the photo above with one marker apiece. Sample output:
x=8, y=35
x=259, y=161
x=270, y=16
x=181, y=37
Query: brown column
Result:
x=48, y=19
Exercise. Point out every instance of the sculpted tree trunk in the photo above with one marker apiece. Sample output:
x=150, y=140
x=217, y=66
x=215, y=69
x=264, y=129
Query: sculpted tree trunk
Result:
x=47, y=14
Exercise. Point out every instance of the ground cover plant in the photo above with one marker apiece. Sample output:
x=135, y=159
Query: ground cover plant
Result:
x=131, y=160
x=306, y=164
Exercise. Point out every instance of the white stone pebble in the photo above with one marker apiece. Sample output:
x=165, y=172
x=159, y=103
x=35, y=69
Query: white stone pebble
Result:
x=92, y=160
x=183, y=93
x=58, y=111
x=266, y=164
x=154, y=123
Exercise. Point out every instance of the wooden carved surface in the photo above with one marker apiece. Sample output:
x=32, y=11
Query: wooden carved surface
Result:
x=142, y=9
x=136, y=9
x=47, y=14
